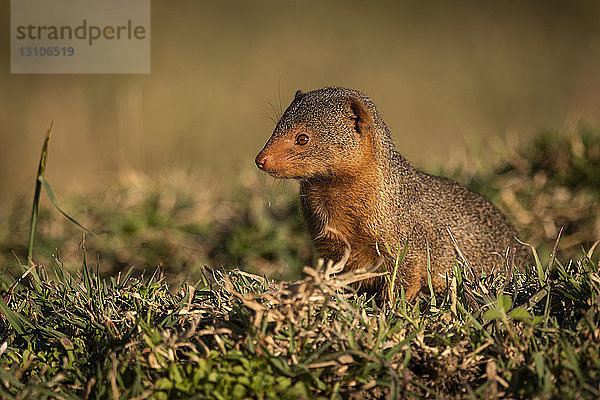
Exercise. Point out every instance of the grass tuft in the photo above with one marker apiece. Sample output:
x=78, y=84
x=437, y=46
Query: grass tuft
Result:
x=246, y=336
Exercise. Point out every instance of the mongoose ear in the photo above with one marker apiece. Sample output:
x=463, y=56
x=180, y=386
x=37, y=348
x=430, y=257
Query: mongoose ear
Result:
x=298, y=94
x=360, y=116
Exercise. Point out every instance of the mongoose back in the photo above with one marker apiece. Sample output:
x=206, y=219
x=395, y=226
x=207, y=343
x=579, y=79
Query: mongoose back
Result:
x=356, y=188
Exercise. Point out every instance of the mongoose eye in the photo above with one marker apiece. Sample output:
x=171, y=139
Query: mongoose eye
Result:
x=302, y=139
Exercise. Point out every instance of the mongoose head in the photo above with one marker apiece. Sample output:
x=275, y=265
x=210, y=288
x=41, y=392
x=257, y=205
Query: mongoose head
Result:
x=322, y=134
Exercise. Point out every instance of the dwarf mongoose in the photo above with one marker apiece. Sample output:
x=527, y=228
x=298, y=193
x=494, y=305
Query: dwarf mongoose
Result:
x=354, y=181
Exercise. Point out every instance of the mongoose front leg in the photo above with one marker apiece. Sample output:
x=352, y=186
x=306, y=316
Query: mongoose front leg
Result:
x=413, y=272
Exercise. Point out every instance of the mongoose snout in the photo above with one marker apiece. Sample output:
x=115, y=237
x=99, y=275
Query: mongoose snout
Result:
x=284, y=153
x=272, y=158
x=356, y=189
x=261, y=161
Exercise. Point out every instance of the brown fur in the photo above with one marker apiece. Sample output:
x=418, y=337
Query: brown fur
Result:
x=356, y=188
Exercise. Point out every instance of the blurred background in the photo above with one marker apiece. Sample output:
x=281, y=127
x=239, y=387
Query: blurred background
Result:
x=444, y=75
x=441, y=73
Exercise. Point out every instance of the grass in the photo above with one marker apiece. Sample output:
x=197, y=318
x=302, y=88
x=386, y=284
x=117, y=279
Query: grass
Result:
x=550, y=183
x=171, y=222
x=238, y=335
x=70, y=330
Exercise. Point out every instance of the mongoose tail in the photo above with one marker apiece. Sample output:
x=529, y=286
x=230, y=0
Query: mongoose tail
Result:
x=356, y=187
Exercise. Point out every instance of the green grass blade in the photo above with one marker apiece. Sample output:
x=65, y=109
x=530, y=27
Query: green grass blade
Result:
x=36, y=196
x=60, y=210
x=15, y=320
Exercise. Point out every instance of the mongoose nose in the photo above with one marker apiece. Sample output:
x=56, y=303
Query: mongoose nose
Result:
x=261, y=160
